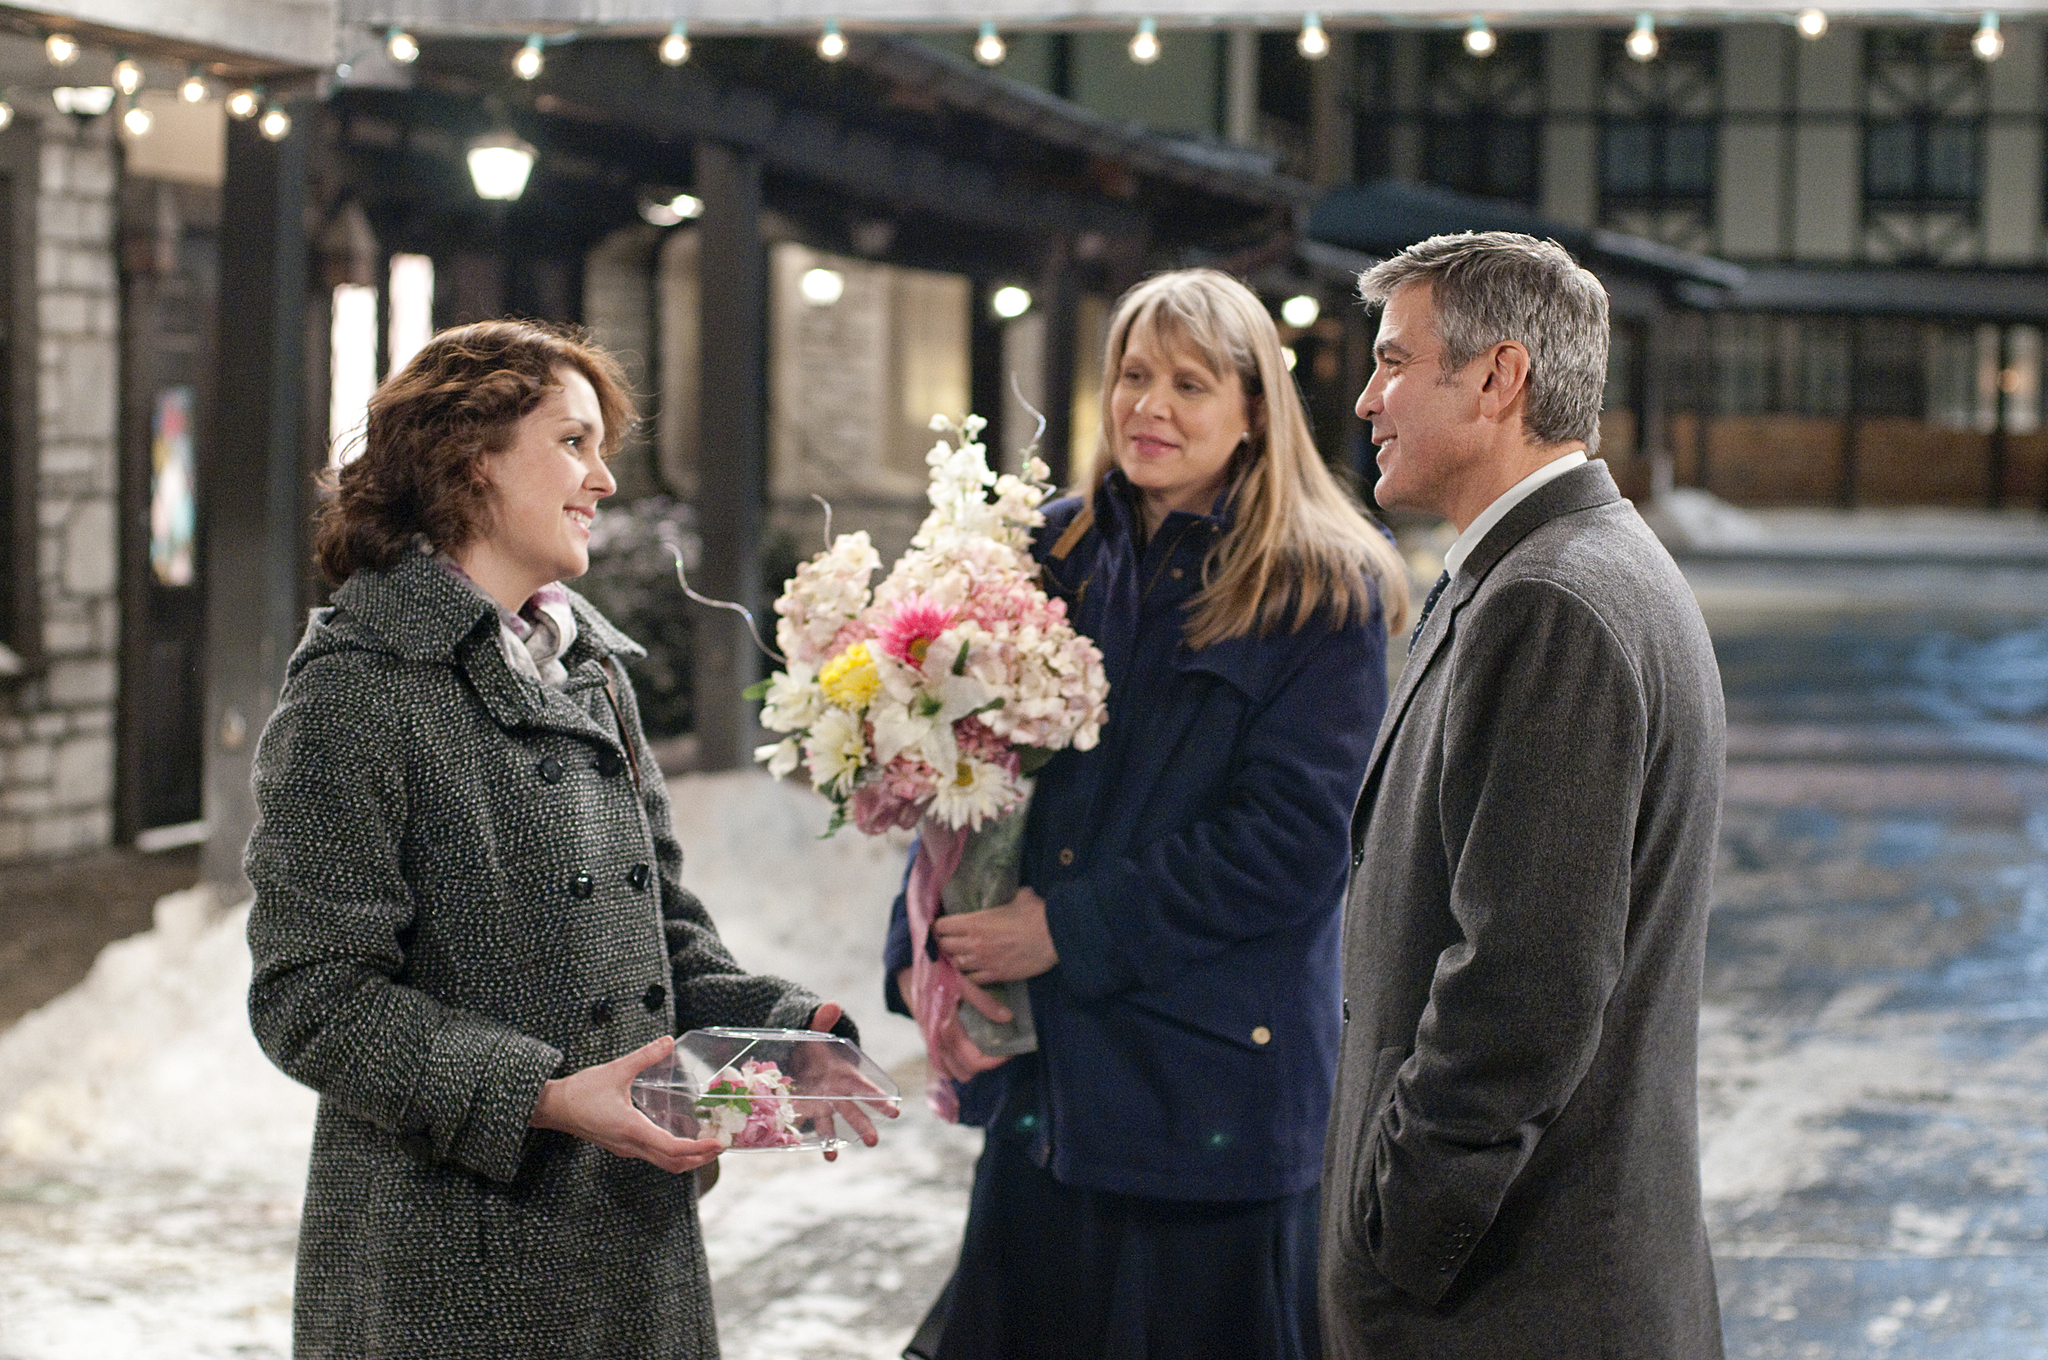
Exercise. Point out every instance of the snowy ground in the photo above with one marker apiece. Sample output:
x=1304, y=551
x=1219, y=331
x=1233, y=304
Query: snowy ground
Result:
x=1873, y=1059
x=152, y=1161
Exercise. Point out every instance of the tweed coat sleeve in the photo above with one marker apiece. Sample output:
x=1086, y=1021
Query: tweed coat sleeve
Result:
x=1544, y=753
x=327, y=935
x=710, y=986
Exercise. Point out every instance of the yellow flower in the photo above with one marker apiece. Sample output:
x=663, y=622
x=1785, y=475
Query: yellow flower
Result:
x=849, y=679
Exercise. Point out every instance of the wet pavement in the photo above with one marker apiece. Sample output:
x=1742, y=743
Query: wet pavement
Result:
x=1874, y=1046
x=1873, y=1057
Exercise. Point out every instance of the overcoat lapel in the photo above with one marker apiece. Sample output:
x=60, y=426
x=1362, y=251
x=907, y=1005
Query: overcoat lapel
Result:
x=420, y=612
x=1582, y=488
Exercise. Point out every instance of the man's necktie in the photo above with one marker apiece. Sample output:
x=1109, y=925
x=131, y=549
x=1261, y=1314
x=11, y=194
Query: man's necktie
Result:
x=1435, y=593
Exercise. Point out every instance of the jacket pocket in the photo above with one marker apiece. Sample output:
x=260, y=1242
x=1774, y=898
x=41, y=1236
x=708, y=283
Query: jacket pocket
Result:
x=1356, y=1191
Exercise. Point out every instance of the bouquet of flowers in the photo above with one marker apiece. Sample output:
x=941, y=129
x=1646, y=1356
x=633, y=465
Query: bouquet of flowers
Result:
x=927, y=701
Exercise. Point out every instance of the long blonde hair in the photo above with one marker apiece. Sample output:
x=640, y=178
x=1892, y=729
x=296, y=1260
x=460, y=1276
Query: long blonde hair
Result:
x=1298, y=543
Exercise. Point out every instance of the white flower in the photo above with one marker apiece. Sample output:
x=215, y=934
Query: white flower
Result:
x=837, y=751
x=794, y=699
x=978, y=791
x=922, y=722
x=780, y=756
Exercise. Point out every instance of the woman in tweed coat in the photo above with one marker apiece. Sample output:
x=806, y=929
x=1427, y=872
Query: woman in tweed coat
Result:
x=469, y=933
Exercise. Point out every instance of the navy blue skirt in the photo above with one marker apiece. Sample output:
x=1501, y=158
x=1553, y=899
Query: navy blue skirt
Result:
x=1058, y=1272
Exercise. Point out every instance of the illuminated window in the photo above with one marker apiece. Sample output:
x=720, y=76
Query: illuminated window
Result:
x=173, y=498
x=352, y=369
x=412, y=307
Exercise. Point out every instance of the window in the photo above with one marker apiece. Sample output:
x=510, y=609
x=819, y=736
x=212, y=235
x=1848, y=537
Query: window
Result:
x=1481, y=122
x=1923, y=135
x=1770, y=365
x=1657, y=159
x=1920, y=159
x=1657, y=144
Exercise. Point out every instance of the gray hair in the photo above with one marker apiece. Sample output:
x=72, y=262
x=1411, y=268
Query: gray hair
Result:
x=1491, y=286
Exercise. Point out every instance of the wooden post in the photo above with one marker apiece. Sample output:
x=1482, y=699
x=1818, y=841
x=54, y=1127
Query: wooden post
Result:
x=732, y=479
x=986, y=380
x=253, y=479
x=1654, y=438
x=1059, y=295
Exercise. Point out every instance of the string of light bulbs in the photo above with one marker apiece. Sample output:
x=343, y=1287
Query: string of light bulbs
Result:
x=1146, y=45
x=126, y=82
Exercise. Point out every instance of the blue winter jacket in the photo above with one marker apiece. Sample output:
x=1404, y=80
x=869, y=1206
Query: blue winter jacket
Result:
x=1193, y=868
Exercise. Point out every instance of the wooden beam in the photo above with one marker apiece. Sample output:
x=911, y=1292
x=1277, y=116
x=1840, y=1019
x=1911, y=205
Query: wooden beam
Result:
x=732, y=449
x=252, y=482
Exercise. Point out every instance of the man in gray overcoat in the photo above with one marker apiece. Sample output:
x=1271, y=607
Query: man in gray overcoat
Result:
x=1512, y=1167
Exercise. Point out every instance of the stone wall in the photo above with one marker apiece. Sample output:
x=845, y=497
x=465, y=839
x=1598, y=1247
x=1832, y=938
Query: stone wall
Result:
x=57, y=734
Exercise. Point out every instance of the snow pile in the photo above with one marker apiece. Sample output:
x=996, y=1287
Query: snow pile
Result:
x=150, y=1063
x=152, y=1160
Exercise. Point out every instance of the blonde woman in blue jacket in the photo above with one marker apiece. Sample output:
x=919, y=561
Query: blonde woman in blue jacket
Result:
x=1148, y=1185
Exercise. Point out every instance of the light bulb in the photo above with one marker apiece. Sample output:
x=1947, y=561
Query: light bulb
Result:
x=822, y=287
x=674, y=49
x=1642, y=40
x=275, y=124
x=243, y=104
x=83, y=101
x=1145, y=43
x=1313, y=43
x=127, y=76
x=1987, y=42
x=6, y=114
x=499, y=165
x=1010, y=303
x=1300, y=311
x=529, y=61
x=402, y=47
x=137, y=120
x=1811, y=23
x=1479, y=39
x=61, y=49
x=989, y=48
x=832, y=43
x=194, y=87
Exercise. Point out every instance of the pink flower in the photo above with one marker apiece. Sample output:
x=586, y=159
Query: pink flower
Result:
x=911, y=629
x=896, y=797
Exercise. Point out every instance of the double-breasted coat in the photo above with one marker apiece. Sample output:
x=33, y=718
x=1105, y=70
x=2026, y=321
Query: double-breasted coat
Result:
x=1513, y=1161
x=466, y=884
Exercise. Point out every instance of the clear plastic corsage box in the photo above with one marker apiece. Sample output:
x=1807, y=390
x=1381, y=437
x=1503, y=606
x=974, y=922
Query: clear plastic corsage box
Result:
x=766, y=1090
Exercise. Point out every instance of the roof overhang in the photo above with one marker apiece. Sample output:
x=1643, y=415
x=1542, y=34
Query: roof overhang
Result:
x=253, y=33
x=1385, y=216
x=500, y=16
x=1932, y=293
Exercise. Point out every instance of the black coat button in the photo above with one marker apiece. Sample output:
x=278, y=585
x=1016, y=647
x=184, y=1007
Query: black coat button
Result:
x=639, y=876
x=583, y=885
x=550, y=770
x=653, y=997
x=601, y=1011
x=609, y=764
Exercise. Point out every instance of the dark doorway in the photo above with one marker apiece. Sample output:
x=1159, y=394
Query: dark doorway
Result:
x=169, y=271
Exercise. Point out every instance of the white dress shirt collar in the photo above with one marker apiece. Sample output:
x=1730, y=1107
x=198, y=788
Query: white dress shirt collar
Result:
x=1506, y=501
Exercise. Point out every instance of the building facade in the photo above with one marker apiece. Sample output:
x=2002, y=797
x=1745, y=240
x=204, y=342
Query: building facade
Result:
x=1880, y=187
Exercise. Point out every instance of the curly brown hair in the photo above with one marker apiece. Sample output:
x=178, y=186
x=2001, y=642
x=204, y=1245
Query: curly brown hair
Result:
x=421, y=471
